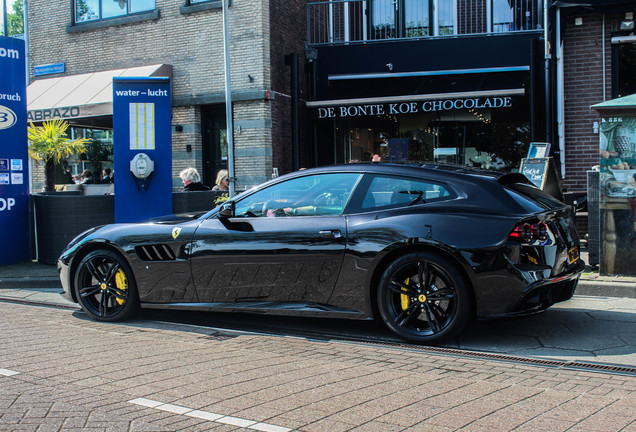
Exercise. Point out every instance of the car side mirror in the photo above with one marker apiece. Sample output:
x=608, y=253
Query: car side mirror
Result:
x=227, y=210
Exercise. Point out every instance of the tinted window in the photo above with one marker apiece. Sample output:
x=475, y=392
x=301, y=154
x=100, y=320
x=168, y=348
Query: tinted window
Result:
x=385, y=191
x=321, y=194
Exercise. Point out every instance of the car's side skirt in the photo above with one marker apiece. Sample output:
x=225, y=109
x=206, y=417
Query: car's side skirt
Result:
x=273, y=308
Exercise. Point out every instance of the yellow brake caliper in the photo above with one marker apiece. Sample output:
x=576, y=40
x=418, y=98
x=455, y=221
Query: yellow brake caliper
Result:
x=404, y=299
x=121, y=282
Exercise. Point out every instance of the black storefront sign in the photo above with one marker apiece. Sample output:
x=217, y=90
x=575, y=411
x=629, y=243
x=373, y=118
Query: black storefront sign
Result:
x=411, y=107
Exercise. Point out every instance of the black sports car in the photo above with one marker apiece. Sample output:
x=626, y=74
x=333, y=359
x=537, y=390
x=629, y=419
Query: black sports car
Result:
x=423, y=248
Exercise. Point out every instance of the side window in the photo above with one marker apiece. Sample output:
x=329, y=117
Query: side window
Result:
x=387, y=191
x=311, y=195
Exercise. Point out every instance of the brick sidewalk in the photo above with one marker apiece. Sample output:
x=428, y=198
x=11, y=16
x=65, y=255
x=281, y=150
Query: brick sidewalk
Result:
x=76, y=374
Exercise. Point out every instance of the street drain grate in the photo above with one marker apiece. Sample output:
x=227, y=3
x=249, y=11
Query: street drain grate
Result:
x=563, y=364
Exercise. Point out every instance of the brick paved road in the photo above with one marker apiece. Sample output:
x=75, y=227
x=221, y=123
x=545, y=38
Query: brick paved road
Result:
x=60, y=371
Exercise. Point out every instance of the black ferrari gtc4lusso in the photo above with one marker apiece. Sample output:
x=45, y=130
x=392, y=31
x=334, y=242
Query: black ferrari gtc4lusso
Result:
x=423, y=248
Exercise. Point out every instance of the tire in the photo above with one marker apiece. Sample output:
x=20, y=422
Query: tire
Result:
x=423, y=298
x=105, y=287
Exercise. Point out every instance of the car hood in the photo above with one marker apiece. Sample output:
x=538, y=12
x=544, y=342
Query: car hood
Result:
x=174, y=218
x=115, y=233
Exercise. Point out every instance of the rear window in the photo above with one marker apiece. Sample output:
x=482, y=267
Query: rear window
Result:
x=390, y=191
x=532, y=198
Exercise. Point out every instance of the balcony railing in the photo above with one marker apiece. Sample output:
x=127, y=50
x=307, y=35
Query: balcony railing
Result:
x=351, y=21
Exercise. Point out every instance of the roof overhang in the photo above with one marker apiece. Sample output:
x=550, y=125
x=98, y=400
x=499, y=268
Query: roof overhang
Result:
x=622, y=104
x=84, y=96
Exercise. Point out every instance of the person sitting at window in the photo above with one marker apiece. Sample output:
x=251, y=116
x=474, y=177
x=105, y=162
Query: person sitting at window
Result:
x=87, y=177
x=192, y=180
x=106, y=178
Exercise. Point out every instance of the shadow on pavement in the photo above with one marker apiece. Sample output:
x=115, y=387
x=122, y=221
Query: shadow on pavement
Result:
x=579, y=333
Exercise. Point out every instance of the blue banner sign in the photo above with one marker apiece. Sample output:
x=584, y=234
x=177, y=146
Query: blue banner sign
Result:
x=142, y=148
x=49, y=69
x=14, y=176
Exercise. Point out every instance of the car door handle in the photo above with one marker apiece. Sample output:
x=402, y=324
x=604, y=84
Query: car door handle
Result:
x=330, y=233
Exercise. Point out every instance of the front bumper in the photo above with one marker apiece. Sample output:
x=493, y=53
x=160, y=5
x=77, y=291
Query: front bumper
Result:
x=65, y=272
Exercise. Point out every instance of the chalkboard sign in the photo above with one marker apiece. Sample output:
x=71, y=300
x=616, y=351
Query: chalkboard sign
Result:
x=542, y=173
x=535, y=170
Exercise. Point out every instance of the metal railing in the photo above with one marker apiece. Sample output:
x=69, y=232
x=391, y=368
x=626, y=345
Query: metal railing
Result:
x=350, y=21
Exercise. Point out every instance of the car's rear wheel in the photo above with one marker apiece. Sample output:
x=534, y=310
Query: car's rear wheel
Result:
x=105, y=287
x=422, y=297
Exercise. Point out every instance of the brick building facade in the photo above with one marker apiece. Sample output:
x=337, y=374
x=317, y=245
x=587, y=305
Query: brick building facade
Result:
x=188, y=36
x=588, y=74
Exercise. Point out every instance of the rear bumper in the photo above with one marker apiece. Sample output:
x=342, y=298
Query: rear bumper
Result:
x=543, y=294
x=511, y=285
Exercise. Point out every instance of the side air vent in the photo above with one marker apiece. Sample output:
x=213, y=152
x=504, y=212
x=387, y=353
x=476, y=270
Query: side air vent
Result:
x=156, y=252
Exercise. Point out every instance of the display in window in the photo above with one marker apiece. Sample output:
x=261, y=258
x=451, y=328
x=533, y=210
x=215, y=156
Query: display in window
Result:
x=618, y=158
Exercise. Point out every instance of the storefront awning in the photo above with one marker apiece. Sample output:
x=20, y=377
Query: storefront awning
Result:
x=81, y=96
x=622, y=103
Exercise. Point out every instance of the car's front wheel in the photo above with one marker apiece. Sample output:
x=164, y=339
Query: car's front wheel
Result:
x=105, y=287
x=423, y=298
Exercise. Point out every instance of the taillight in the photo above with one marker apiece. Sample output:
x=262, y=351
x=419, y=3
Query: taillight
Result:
x=528, y=232
x=541, y=230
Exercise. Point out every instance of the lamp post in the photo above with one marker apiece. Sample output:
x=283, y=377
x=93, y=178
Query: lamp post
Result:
x=228, y=101
x=4, y=18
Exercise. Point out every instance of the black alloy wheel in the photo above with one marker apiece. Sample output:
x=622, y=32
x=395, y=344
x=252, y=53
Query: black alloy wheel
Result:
x=423, y=298
x=105, y=287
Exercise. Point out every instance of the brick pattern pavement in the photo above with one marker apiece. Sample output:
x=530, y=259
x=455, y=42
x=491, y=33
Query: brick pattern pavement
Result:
x=76, y=374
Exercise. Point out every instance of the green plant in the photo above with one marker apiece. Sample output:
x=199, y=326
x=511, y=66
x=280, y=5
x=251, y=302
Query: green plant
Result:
x=15, y=19
x=50, y=144
x=220, y=199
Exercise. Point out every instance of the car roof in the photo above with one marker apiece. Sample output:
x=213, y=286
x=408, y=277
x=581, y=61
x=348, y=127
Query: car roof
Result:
x=475, y=186
x=430, y=170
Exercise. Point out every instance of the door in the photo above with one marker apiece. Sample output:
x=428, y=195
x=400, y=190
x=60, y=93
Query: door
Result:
x=214, y=136
x=285, y=243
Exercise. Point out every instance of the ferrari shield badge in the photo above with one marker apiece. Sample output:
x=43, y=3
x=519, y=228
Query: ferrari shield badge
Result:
x=175, y=232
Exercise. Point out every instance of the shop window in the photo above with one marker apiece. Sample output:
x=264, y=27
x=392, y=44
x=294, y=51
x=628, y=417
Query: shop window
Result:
x=98, y=155
x=493, y=139
x=624, y=79
x=95, y=10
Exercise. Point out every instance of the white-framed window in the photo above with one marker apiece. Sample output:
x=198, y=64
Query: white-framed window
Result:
x=95, y=10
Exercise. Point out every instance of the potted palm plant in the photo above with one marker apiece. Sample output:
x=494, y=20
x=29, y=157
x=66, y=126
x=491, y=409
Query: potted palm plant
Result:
x=49, y=143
